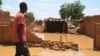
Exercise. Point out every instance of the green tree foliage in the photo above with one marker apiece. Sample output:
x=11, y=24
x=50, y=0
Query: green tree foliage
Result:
x=72, y=10
x=30, y=16
x=0, y=3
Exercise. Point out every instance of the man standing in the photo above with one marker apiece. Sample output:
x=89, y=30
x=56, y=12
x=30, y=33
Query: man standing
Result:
x=20, y=32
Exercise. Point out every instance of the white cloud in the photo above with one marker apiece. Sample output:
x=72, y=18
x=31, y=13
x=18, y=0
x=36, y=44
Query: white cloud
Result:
x=7, y=7
x=44, y=0
x=20, y=1
x=96, y=9
x=43, y=4
x=71, y=0
x=43, y=7
x=43, y=13
x=47, y=4
x=30, y=3
x=92, y=12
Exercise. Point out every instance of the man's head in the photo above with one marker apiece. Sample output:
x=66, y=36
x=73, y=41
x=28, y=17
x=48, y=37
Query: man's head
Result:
x=23, y=7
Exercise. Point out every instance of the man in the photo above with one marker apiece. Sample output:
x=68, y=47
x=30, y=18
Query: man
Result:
x=20, y=32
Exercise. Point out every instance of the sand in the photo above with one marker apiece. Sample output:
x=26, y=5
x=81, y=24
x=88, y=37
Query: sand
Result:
x=85, y=45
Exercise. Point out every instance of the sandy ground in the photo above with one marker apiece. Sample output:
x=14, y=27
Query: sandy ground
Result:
x=85, y=45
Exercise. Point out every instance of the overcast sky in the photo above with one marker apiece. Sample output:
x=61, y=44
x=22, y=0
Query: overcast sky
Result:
x=49, y=8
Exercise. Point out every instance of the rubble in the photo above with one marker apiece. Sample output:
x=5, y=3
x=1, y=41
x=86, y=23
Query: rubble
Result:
x=56, y=45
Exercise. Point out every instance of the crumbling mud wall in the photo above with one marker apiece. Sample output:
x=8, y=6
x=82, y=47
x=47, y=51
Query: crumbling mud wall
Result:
x=6, y=30
x=87, y=25
x=51, y=25
x=4, y=16
x=31, y=38
x=37, y=26
x=6, y=33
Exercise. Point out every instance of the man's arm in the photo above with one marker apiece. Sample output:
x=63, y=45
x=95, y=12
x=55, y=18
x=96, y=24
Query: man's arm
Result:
x=19, y=31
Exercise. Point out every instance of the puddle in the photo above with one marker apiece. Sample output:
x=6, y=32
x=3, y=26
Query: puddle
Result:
x=70, y=53
x=40, y=35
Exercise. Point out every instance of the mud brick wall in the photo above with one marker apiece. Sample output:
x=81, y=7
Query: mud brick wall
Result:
x=31, y=38
x=56, y=26
x=97, y=36
x=6, y=30
x=5, y=27
x=6, y=33
x=4, y=16
x=87, y=26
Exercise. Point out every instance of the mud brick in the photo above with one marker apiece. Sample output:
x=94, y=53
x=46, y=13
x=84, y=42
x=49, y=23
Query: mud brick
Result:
x=36, y=45
x=68, y=46
x=75, y=47
x=63, y=49
x=30, y=44
x=55, y=47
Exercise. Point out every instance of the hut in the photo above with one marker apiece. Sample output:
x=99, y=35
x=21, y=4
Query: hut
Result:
x=55, y=25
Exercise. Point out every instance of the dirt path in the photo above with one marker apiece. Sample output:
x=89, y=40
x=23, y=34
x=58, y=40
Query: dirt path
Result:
x=85, y=45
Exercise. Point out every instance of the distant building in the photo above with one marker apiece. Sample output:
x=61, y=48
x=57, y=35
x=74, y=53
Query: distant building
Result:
x=55, y=25
x=87, y=25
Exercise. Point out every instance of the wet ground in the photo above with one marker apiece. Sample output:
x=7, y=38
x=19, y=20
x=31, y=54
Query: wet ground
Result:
x=85, y=46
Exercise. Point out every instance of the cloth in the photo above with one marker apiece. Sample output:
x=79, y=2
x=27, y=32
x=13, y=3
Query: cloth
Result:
x=19, y=19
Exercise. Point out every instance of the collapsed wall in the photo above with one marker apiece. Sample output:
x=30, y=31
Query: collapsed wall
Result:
x=6, y=30
x=52, y=25
x=37, y=26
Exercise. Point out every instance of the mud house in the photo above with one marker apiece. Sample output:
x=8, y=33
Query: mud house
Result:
x=55, y=25
x=87, y=25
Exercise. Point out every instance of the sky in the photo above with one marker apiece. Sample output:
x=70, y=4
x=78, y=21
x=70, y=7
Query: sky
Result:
x=49, y=8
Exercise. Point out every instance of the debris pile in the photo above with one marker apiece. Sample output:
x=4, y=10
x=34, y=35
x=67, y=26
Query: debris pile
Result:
x=56, y=45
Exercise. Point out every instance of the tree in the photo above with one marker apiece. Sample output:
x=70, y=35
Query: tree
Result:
x=0, y=3
x=30, y=16
x=72, y=10
x=63, y=13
